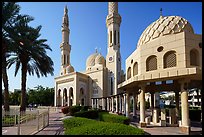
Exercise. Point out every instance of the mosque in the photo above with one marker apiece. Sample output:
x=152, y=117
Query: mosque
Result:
x=168, y=50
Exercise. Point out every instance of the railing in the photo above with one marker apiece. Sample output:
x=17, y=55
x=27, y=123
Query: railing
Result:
x=25, y=123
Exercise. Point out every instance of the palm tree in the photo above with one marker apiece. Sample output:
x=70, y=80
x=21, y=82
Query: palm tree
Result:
x=30, y=54
x=10, y=11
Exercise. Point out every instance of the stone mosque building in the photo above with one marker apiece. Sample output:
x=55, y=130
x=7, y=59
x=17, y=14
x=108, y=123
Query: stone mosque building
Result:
x=168, y=50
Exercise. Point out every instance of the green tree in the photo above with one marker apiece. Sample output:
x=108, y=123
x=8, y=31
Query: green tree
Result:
x=10, y=11
x=30, y=54
x=41, y=95
x=10, y=16
x=15, y=97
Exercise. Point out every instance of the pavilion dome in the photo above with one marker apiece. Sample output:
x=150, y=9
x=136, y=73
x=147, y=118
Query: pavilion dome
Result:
x=165, y=26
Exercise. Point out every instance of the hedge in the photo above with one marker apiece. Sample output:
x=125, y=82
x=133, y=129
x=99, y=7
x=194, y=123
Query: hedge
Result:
x=84, y=126
x=113, y=118
x=76, y=122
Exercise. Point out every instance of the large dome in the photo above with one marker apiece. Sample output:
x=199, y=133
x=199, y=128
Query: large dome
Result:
x=165, y=26
x=94, y=59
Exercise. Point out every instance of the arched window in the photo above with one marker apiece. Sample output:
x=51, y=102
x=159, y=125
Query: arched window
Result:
x=170, y=59
x=81, y=91
x=194, y=57
x=151, y=63
x=135, y=69
x=129, y=73
x=111, y=37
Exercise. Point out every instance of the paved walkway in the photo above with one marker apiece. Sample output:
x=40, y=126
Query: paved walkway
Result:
x=55, y=126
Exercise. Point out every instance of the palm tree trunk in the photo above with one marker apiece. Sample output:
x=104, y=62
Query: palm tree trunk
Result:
x=23, y=87
x=5, y=79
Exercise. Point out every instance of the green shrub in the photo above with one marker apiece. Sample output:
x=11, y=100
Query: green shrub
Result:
x=92, y=114
x=76, y=122
x=9, y=120
x=114, y=118
x=104, y=128
x=85, y=108
x=74, y=109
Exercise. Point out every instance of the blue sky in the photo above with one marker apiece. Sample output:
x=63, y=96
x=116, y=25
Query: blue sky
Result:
x=88, y=29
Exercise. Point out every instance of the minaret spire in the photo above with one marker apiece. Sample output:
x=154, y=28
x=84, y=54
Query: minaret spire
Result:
x=65, y=46
x=113, y=57
x=112, y=7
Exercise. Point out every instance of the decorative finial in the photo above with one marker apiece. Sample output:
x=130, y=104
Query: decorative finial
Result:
x=65, y=10
x=161, y=12
x=96, y=50
x=100, y=50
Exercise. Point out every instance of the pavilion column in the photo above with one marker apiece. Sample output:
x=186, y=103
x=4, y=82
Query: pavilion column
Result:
x=142, y=106
x=103, y=103
x=185, y=125
x=127, y=104
x=107, y=107
x=134, y=104
x=92, y=103
x=116, y=104
x=112, y=99
x=110, y=104
x=97, y=106
x=177, y=105
x=120, y=104
x=124, y=103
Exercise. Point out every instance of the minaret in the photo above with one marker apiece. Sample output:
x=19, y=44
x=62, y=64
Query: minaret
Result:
x=65, y=46
x=113, y=58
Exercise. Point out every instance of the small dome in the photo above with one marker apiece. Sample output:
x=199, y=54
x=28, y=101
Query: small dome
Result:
x=95, y=59
x=70, y=69
x=165, y=26
x=100, y=60
x=91, y=60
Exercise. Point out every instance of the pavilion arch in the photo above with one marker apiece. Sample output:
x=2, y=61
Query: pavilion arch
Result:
x=129, y=73
x=170, y=59
x=151, y=63
x=135, y=69
x=194, y=57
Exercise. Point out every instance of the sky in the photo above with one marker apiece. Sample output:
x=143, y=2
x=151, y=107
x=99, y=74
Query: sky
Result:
x=87, y=24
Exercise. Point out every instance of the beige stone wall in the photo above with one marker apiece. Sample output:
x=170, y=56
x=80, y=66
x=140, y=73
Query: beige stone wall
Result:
x=98, y=77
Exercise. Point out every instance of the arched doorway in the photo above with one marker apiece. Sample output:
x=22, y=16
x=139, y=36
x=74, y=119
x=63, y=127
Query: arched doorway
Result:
x=82, y=97
x=58, y=98
x=71, y=96
x=65, y=97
